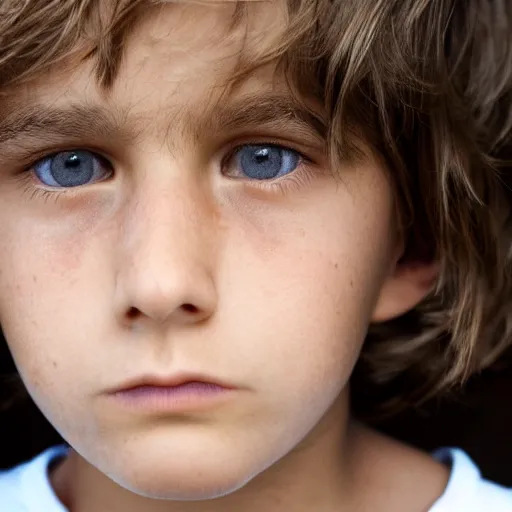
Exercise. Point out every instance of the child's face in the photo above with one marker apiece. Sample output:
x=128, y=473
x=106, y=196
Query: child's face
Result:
x=185, y=258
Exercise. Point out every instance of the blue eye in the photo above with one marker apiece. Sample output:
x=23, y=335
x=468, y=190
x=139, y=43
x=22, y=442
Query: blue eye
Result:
x=265, y=161
x=72, y=169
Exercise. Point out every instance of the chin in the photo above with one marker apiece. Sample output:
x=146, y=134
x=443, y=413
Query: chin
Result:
x=186, y=464
x=197, y=468
x=186, y=482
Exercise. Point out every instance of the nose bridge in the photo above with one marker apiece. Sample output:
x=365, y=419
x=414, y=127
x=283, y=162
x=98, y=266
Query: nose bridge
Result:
x=166, y=255
x=167, y=218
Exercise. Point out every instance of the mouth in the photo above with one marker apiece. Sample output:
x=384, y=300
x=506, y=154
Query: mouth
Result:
x=178, y=393
x=177, y=380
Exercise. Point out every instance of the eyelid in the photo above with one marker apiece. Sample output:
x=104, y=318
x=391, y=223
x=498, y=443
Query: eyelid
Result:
x=237, y=146
x=301, y=177
x=230, y=155
x=39, y=167
x=23, y=159
x=39, y=156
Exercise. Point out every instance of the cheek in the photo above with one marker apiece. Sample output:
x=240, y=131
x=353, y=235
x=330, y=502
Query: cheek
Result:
x=315, y=276
x=42, y=261
x=43, y=300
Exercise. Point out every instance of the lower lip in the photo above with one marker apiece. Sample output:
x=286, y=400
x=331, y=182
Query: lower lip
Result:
x=183, y=398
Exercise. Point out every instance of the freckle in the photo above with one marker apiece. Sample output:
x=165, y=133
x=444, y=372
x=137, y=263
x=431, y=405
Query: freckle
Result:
x=351, y=284
x=54, y=364
x=34, y=278
x=336, y=265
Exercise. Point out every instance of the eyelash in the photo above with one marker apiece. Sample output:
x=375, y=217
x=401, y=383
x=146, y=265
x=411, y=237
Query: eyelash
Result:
x=26, y=176
x=27, y=181
x=289, y=183
x=296, y=179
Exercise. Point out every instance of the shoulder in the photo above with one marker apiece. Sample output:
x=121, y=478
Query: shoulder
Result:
x=26, y=486
x=11, y=489
x=467, y=491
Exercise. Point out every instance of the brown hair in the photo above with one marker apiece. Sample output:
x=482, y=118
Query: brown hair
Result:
x=428, y=85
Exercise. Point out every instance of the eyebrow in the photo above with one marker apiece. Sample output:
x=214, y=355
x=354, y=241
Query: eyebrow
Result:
x=51, y=124
x=78, y=121
x=74, y=121
x=267, y=110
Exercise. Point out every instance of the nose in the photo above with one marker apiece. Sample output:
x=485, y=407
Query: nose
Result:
x=166, y=255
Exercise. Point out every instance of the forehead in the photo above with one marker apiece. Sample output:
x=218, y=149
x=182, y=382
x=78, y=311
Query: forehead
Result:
x=193, y=23
x=195, y=49
x=178, y=56
x=172, y=82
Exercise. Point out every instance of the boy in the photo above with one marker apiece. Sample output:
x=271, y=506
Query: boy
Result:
x=208, y=207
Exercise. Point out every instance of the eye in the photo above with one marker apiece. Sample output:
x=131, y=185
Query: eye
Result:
x=264, y=161
x=72, y=169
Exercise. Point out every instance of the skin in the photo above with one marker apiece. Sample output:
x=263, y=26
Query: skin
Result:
x=173, y=263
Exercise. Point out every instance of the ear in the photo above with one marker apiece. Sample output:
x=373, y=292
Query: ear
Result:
x=407, y=285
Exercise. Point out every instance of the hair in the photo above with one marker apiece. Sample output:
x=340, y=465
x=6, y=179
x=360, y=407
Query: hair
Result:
x=427, y=84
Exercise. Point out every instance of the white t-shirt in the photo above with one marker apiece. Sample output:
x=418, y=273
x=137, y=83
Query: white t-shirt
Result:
x=26, y=488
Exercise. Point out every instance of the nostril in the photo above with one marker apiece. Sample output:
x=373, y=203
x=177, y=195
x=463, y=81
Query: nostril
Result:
x=190, y=308
x=132, y=313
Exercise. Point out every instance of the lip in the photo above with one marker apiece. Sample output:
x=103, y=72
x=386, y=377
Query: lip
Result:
x=177, y=393
x=170, y=381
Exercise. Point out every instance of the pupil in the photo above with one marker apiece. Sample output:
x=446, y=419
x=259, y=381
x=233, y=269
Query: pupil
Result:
x=73, y=169
x=261, y=155
x=73, y=160
x=261, y=162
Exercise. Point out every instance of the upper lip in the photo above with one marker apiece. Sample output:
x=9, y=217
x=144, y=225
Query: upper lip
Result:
x=172, y=380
